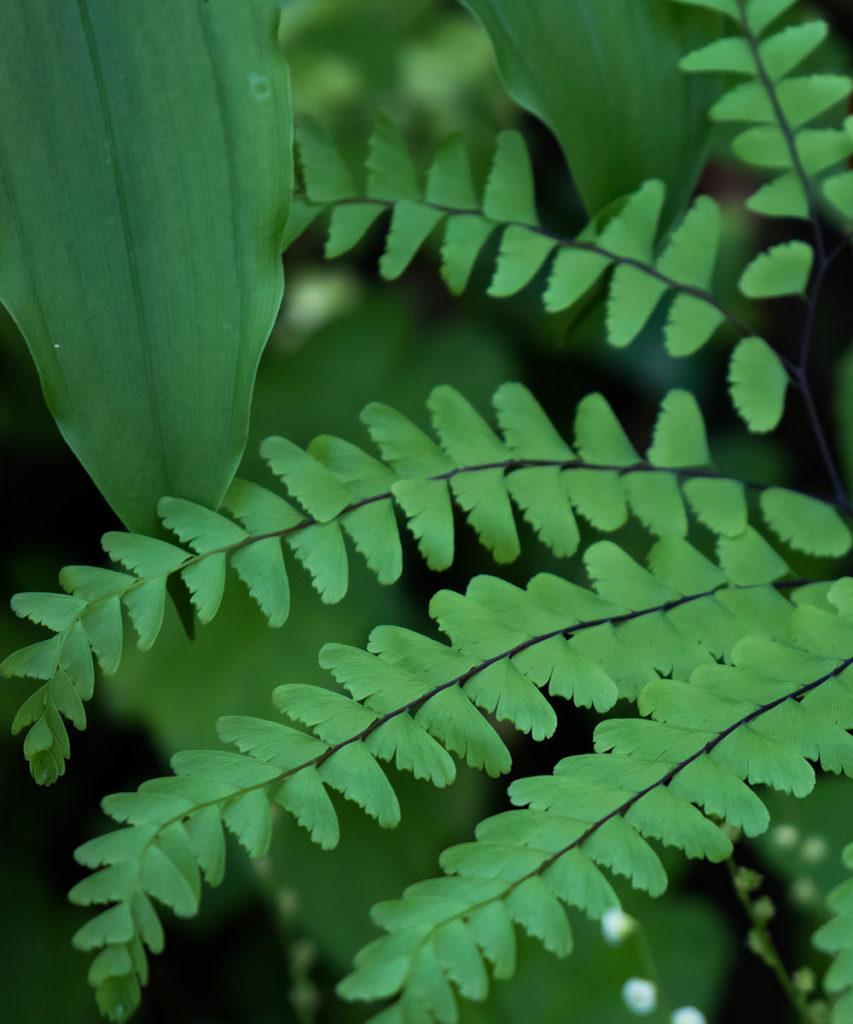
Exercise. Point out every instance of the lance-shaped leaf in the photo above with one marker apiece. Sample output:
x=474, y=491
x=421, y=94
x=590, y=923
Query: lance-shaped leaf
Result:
x=146, y=175
x=599, y=69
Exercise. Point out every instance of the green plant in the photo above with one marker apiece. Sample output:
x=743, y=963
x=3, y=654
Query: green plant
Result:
x=145, y=315
x=738, y=658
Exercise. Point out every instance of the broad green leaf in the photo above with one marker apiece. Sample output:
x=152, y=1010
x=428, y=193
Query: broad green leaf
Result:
x=609, y=63
x=146, y=277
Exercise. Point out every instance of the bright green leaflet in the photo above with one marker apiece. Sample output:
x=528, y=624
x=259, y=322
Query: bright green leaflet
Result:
x=141, y=229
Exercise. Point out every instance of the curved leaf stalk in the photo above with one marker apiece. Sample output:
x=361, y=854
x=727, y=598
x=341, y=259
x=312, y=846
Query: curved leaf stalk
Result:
x=779, y=106
x=760, y=911
x=824, y=260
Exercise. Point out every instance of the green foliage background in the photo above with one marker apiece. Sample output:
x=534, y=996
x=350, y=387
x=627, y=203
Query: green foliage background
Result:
x=342, y=341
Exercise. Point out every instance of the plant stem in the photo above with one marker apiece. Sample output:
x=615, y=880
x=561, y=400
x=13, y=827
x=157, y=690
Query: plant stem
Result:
x=824, y=258
x=762, y=944
x=646, y=956
x=299, y=953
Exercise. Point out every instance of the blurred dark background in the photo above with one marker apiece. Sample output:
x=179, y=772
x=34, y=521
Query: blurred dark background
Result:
x=271, y=943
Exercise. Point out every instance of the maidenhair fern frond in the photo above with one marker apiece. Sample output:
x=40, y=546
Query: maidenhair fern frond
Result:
x=411, y=701
x=786, y=112
x=342, y=489
x=623, y=239
x=781, y=109
x=780, y=105
x=674, y=776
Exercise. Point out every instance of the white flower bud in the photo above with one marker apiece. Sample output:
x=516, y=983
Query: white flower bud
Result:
x=616, y=926
x=640, y=996
x=785, y=836
x=804, y=892
x=814, y=849
x=688, y=1015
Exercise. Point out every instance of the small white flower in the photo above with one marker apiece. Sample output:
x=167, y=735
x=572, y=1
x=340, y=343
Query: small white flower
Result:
x=814, y=849
x=688, y=1015
x=640, y=996
x=785, y=836
x=616, y=926
x=804, y=892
